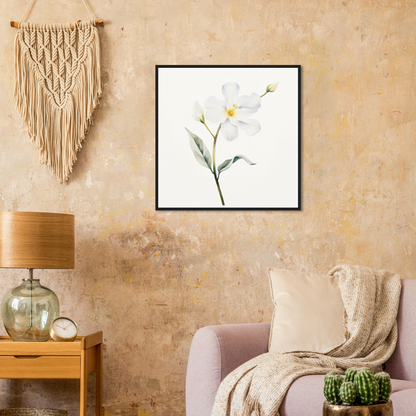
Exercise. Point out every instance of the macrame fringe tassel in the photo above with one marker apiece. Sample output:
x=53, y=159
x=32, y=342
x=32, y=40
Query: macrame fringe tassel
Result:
x=57, y=132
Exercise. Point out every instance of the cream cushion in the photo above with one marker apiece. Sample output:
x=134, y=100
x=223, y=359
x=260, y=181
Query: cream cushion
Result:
x=308, y=313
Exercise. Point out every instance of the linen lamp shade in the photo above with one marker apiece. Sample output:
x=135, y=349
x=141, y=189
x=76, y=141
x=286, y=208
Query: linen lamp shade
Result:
x=37, y=240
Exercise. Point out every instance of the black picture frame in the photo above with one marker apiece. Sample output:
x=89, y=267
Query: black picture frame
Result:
x=165, y=207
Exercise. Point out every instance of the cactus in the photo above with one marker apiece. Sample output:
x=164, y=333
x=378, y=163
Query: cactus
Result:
x=384, y=384
x=331, y=390
x=367, y=386
x=331, y=373
x=348, y=393
x=350, y=373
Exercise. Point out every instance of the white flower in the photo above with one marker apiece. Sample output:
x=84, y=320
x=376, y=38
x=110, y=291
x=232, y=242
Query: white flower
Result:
x=233, y=113
x=272, y=87
x=198, y=114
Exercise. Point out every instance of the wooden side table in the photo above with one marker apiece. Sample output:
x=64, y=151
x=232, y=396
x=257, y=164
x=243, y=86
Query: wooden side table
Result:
x=58, y=360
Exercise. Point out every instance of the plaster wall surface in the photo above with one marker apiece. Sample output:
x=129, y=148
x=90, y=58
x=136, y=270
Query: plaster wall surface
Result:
x=150, y=279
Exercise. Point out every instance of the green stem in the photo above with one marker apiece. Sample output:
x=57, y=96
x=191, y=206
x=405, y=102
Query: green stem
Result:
x=203, y=122
x=264, y=94
x=214, y=165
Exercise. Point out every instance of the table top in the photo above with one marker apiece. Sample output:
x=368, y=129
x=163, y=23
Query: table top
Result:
x=84, y=342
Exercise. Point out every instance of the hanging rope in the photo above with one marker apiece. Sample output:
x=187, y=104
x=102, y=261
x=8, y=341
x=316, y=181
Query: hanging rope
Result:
x=31, y=2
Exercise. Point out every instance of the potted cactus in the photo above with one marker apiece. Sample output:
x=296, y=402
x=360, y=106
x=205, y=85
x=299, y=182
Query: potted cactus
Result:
x=358, y=393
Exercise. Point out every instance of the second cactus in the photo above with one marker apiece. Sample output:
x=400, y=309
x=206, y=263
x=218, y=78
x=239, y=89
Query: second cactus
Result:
x=350, y=373
x=331, y=390
x=348, y=393
x=367, y=386
x=384, y=384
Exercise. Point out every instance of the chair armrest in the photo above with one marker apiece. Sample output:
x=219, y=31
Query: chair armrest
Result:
x=215, y=352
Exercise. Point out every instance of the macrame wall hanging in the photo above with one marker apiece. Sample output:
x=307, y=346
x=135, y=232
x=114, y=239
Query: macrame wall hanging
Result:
x=57, y=86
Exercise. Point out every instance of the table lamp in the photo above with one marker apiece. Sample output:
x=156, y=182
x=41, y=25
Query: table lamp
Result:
x=34, y=240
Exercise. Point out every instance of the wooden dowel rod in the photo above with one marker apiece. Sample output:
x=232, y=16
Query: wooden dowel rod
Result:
x=97, y=22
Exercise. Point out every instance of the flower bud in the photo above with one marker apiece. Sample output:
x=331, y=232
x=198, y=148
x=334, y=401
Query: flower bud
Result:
x=271, y=87
x=198, y=114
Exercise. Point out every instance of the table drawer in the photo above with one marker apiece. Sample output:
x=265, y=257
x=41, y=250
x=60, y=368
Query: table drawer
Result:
x=56, y=366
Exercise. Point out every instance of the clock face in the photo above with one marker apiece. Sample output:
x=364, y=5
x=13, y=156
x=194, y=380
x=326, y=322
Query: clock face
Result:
x=64, y=327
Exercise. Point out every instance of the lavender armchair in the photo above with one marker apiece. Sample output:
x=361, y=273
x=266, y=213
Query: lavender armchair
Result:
x=218, y=350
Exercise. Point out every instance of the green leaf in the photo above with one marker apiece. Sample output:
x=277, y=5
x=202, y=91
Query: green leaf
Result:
x=201, y=152
x=229, y=162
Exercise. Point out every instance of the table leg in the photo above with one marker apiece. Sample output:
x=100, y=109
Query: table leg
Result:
x=99, y=380
x=83, y=385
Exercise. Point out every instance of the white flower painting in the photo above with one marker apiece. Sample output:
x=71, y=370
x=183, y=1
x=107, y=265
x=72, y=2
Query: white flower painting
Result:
x=248, y=115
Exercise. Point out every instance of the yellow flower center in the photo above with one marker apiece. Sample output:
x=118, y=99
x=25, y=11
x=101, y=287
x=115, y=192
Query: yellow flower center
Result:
x=231, y=111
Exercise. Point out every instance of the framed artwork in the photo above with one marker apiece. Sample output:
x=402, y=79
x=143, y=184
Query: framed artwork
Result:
x=228, y=137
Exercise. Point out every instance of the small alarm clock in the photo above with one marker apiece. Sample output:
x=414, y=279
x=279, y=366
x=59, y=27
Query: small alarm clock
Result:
x=63, y=329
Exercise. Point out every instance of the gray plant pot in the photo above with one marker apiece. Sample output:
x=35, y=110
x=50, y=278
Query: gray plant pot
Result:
x=383, y=409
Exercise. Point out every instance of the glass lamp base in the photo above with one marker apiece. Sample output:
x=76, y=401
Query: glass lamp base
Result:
x=28, y=311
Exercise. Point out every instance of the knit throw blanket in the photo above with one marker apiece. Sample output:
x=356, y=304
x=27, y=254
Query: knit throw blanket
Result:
x=371, y=301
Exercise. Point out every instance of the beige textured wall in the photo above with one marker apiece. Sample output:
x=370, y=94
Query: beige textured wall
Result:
x=150, y=279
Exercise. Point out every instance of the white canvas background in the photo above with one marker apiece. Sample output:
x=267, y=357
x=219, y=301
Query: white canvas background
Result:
x=271, y=183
